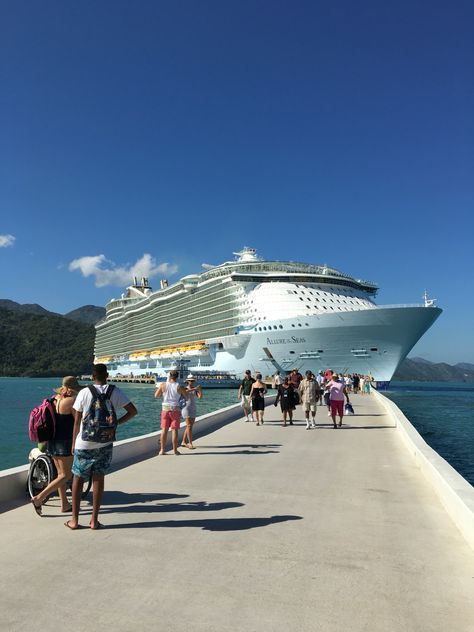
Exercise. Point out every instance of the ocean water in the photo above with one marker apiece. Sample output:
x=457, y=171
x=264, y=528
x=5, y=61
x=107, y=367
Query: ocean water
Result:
x=19, y=395
x=443, y=413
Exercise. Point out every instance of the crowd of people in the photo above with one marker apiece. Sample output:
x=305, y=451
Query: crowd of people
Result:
x=327, y=388
x=86, y=420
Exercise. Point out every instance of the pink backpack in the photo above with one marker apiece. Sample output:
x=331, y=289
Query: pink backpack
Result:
x=42, y=422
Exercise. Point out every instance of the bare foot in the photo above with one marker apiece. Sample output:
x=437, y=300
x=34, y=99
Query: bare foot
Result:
x=72, y=524
x=162, y=453
x=177, y=452
x=96, y=526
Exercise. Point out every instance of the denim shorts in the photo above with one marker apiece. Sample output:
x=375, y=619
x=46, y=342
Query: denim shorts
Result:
x=60, y=447
x=89, y=462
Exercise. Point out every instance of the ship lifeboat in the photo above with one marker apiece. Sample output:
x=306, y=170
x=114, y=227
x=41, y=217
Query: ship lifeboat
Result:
x=103, y=359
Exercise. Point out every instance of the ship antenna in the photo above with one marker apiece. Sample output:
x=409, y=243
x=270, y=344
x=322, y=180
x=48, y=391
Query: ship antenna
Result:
x=429, y=302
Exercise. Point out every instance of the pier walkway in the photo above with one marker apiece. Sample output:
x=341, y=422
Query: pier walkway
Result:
x=260, y=528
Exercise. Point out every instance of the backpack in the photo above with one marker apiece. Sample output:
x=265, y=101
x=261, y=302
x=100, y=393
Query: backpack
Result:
x=42, y=422
x=100, y=421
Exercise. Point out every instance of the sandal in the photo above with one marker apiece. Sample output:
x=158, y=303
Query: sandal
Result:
x=39, y=510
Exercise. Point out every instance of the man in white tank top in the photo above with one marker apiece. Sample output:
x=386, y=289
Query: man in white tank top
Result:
x=171, y=391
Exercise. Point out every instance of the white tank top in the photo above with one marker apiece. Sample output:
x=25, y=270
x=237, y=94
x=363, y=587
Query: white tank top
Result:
x=171, y=395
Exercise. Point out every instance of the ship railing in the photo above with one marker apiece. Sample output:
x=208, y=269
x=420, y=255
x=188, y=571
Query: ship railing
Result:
x=404, y=305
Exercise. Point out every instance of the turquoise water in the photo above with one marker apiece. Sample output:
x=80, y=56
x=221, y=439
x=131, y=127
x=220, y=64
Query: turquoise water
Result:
x=19, y=395
x=443, y=413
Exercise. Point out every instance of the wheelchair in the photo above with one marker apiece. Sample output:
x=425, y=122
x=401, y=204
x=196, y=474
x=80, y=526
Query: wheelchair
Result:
x=42, y=471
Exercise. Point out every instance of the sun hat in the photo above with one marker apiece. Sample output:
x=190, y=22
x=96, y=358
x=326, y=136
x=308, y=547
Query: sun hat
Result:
x=190, y=378
x=70, y=382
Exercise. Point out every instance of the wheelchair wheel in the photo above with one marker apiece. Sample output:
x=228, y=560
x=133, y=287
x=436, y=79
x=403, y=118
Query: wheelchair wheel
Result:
x=40, y=475
x=87, y=487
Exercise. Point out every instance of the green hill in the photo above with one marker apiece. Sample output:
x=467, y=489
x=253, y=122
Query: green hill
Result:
x=418, y=369
x=34, y=345
x=87, y=314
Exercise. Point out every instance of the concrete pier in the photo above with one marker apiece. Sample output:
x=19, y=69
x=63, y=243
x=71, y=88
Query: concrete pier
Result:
x=260, y=528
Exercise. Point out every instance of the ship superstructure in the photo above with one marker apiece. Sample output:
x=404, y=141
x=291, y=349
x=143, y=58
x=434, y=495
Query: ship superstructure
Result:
x=261, y=315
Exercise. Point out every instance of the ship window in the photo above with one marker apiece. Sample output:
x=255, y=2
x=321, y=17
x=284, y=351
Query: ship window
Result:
x=320, y=351
x=274, y=327
x=373, y=349
x=264, y=329
x=281, y=326
x=292, y=324
x=300, y=325
x=291, y=351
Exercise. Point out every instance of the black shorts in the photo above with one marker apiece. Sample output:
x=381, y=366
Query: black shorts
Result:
x=60, y=447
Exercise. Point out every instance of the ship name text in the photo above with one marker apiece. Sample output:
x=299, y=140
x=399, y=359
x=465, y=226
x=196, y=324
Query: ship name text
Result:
x=284, y=341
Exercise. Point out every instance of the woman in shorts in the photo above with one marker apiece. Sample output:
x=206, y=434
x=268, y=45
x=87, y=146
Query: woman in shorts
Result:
x=337, y=392
x=189, y=411
x=257, y=393
x=60, y=446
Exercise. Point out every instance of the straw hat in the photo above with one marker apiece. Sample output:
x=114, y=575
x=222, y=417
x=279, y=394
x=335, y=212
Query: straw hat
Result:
x=70, y=382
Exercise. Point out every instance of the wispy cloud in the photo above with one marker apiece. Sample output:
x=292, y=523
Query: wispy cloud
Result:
x=6, y=240
x=106, y=272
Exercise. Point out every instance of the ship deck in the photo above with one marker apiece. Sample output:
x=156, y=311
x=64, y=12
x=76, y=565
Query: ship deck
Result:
x=260, y=528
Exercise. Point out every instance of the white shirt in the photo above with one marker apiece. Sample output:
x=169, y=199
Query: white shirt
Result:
x=83, y=402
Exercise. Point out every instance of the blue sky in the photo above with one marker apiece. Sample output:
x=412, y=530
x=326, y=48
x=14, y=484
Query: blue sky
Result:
x=154, y=136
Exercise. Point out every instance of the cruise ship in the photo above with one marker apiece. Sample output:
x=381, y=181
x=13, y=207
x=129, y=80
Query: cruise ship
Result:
x=266, y=316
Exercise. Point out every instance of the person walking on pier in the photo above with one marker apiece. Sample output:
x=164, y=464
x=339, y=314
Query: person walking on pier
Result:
x=189, y=411
x=337, y=392
x=244, y=394
x=93, y=435
x=309, y=396
x=286, y=397
x=257, y=393
x=60, y=448
x=171, y=410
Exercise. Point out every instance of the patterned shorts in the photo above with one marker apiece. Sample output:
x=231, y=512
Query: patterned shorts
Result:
x=89, y=462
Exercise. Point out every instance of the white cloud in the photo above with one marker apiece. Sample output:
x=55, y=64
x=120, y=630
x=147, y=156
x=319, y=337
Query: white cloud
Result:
x=108, y=273
x=6, y=240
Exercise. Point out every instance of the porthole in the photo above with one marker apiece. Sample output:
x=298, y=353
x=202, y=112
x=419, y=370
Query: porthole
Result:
x=373, y=349
x=281, y=326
